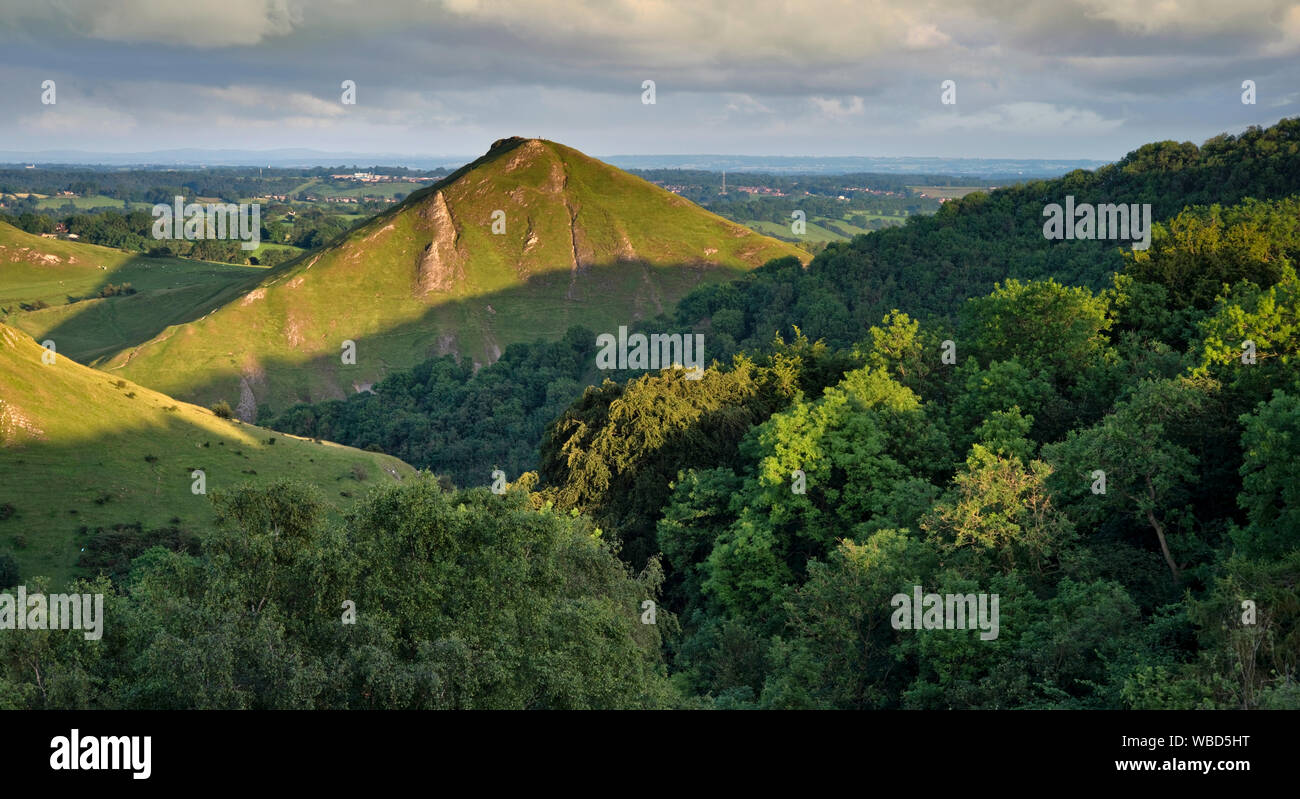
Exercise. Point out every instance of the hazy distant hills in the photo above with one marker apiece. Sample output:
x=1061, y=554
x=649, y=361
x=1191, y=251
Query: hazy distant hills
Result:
x=1004, y=168
x=286, y=157
x=522, y=243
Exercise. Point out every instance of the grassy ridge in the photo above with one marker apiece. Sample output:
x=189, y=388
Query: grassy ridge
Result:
x=78, y=451
x=169, y=291
x=584, y=243
x=818, y=228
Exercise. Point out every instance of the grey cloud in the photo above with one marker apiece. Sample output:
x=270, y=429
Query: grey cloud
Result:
x=1078, y=78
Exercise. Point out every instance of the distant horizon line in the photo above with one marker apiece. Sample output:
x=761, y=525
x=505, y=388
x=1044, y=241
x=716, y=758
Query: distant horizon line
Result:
x=439, y=156
x=307, y=158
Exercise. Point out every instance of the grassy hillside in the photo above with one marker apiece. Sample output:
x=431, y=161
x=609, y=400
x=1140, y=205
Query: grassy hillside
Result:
x=584, y=243
x=81, y=450
x=820, y=228
x=39, y=271
x=86, y=203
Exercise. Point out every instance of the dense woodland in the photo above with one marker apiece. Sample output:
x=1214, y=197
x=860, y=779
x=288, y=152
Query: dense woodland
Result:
x=1071, y=357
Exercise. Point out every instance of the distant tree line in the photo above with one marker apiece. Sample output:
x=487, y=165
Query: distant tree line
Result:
x=132, y=231
x=160, y=185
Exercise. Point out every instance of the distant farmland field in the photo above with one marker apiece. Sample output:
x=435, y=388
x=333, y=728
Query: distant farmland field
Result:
x=85, y=203
x=947, y=192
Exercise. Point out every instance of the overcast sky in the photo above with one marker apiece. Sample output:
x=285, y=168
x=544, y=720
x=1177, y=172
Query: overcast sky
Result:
x=1062, y=79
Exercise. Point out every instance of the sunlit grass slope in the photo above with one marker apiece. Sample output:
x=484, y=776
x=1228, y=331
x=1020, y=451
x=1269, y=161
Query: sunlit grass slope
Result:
x=576, y=241
x=169, y=291
x=78, y=450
